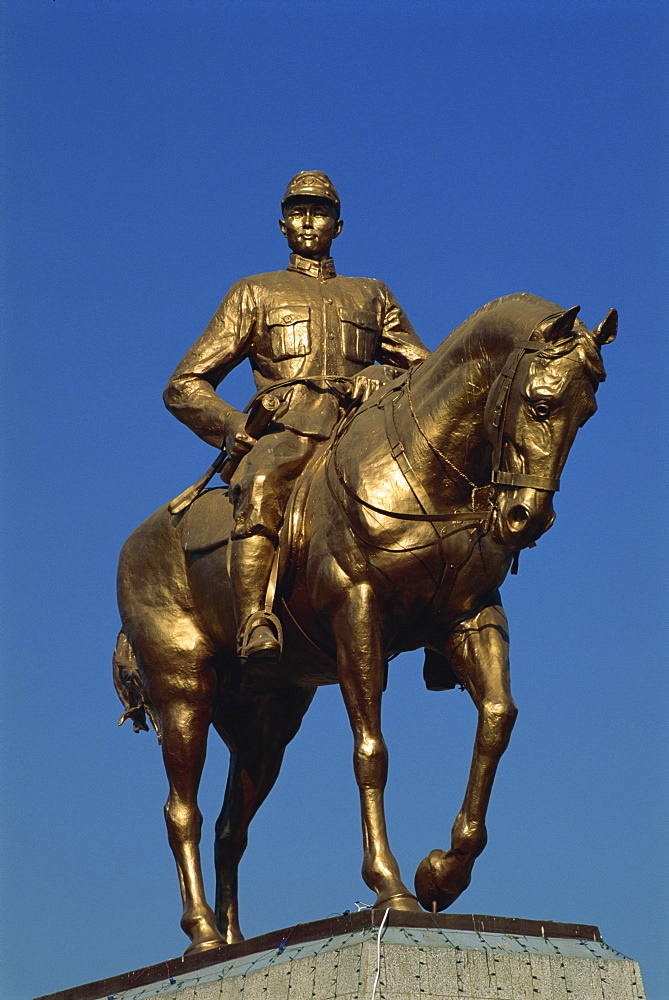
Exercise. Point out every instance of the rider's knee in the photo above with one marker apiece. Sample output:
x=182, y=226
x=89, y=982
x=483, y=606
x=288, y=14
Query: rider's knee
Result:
x=246, y=527
x=257, y=511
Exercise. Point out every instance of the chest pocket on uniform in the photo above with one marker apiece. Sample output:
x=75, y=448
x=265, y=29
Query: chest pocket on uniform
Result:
x=289, y=332
x=359, y=334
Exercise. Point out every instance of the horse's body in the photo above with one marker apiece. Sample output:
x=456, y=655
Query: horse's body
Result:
x=403, y=543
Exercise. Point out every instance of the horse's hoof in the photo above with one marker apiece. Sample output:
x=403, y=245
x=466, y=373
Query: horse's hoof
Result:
x=440, y=879
x=195, y=947
x=234, y=936
x=398, y=901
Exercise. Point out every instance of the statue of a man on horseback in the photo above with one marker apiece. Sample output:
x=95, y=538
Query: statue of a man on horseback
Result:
x=308, y=333
x=400, y=540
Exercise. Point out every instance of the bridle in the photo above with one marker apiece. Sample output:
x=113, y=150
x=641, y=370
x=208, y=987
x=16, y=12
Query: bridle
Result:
x=497, y=403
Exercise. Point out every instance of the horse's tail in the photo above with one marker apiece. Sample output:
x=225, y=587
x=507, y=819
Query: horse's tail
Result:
x=130, y=687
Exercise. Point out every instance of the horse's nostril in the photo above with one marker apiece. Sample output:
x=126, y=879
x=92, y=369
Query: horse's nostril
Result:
x=518, y=515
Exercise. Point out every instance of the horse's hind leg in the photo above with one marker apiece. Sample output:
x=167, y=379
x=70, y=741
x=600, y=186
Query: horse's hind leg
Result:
x=183, y=697
x=257, y=729
x=479, y=652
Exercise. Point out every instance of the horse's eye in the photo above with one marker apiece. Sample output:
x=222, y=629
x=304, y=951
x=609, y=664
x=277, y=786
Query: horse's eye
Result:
x=541, y=411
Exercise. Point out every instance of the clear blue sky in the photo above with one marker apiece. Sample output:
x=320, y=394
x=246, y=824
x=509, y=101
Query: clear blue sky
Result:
x=479, y=149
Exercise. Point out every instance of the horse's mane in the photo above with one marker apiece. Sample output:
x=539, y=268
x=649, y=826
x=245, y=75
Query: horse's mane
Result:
x=527, y=297
x=536, y=308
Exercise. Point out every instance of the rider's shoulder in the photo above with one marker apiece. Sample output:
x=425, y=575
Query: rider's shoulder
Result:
x=253, y=287
x=374, y=285
x=268, y=278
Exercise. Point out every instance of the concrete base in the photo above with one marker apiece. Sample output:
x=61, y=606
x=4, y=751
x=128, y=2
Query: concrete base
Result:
x=418, y=958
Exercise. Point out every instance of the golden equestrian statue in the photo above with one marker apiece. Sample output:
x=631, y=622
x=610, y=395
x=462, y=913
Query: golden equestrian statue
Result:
x=380, y=511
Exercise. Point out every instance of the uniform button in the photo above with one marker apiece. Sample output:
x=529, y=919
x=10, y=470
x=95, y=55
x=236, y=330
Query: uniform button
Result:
x=288, y=318
x=329, y=301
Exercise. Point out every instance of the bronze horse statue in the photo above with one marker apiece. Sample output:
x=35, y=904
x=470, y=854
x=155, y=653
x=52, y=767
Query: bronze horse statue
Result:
x=399, y=538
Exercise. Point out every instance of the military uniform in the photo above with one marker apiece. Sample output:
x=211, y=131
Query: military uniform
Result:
x=306, y=322
x=306, y=331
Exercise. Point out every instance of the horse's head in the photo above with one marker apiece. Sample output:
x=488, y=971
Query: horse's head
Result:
x=545, y=392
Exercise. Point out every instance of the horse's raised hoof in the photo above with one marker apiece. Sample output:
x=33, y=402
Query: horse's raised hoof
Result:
x=440, y=878
x=398, y=901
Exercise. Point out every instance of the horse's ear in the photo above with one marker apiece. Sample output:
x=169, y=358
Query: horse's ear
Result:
x=607, y=329
x=562, y=325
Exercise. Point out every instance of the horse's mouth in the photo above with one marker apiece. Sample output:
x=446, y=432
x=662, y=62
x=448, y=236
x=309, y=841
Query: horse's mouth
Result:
x=519, y=524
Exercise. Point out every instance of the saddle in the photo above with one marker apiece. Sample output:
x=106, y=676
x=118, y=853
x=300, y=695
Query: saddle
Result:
x=208, y=520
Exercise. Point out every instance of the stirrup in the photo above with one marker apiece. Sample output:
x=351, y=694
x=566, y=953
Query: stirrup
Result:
x=267, y=618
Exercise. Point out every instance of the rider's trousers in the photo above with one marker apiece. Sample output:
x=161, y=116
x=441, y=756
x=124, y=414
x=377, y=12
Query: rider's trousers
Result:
x=264, y=482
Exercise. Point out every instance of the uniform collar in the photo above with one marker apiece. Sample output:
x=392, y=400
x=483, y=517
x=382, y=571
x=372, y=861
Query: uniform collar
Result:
x=314, y=268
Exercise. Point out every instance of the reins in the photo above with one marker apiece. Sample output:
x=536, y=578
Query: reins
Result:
x=399, y=453
x=498, y=398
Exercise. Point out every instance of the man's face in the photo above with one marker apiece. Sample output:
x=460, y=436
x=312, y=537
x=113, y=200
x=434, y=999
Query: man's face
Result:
x=310, y=226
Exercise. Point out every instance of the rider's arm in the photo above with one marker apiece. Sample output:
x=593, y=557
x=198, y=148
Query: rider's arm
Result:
x=399, y=344
x=190, y=393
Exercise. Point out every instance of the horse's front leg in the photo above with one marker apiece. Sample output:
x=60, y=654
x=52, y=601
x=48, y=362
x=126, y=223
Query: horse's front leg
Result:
x=361, y=666
x=479, y=652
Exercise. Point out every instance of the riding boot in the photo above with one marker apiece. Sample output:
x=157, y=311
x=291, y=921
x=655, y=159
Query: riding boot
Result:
x=258, y=631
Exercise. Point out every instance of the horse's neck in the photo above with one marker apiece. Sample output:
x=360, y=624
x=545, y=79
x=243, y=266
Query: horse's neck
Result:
x=450, y=389
x=448, y=395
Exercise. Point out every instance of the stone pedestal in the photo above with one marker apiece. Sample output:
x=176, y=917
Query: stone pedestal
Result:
x=418, y=957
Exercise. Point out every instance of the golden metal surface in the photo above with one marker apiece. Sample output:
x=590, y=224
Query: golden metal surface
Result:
x=398, y=500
